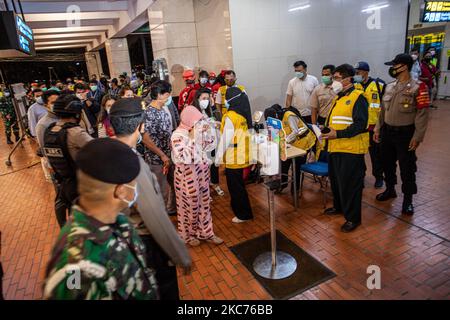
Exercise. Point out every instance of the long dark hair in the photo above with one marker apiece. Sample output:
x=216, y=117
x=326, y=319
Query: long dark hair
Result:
x=196, y=104
x=103, y=114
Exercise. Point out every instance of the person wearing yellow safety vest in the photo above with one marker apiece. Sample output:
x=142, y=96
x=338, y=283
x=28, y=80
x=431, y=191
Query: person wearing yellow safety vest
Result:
x=373, y=91
x=230, y=81
x=234, y=151
x=347, y=142
x=298, y=135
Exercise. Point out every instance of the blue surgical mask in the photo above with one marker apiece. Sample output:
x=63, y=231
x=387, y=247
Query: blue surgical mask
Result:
x=168, y=102
x=136, y=194
x=203, y=81
x=299, y=74
x=227, y=105
x=357, y=78
x=93, y=88
x=326, y=80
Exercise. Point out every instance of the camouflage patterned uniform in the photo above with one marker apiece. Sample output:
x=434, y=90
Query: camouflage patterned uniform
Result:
x=110, y=260
x=9, y=117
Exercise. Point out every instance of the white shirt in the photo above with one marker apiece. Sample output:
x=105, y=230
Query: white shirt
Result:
x=301, y=91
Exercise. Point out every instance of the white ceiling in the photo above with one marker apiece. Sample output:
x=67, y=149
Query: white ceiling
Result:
x=82, y=23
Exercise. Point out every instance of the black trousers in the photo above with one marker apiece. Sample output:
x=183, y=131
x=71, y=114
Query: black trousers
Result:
x=394, y=147
x=307, y=119
x=165, y=275
x=321, y=121
x=238, y=194
x=285, y=166
x=347, y=173
x=375, y=158
x=214, y=171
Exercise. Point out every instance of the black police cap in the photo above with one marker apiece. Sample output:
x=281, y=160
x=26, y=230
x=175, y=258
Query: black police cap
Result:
x=108, y=160
x=402, y=58
x=127, y=107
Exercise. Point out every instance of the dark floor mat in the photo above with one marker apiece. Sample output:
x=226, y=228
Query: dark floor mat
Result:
x=309, y=273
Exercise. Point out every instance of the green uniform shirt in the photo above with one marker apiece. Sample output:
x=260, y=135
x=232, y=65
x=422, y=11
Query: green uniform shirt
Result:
x=7, y=111
x=92, y=260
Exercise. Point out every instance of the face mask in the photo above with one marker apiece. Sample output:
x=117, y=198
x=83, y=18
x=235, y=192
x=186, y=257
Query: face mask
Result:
x=108, y=110
x=7, y=94
x=168, y=102
x=130, y=203
x=190, y=82
x=414, y=57
x=39, y=100
x=139, y=140
x=203, y=104
x=299, y=74
x=211, y=82
x=326, y=80
x=393, y=72
x=94, y=88
x=80, y=96
x=358, y=78
x=203, y=81
x=432, y=53
x=427, y=58
x=337, y=87
x=44, y=89
x=230, y=83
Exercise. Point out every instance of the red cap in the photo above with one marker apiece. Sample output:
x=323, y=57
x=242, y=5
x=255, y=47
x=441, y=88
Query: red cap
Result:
x=212, y=75
x=188, y=75
x=222, y=73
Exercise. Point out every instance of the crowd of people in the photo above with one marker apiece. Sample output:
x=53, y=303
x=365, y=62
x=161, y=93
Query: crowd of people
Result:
x=124, y=157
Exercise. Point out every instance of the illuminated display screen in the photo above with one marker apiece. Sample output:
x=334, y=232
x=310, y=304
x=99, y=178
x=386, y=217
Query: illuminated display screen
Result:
x=436, y=11
x=24, y=35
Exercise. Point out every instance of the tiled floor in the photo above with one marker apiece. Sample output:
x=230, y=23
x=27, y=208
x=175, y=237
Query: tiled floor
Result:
x=413, y=253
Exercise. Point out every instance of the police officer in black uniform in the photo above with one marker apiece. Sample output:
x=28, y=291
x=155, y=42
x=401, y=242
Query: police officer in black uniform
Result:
x=62, y=141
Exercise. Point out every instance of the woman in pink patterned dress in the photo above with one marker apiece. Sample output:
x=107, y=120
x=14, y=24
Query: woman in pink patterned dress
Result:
x=190, y=143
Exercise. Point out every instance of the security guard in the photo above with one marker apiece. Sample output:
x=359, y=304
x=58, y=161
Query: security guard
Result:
x=164, y=247
x=8, y=115
x=348, y=142
x=298, y=135
x=401, y=128
x=373, y=91
x=99, y=255
x=62, y=141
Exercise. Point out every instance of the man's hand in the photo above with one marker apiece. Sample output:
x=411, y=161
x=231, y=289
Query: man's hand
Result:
x=413, y=145
x=187, y=270
x=330, y=135
x=166, y=164
x=88, y=103
x=376, y=137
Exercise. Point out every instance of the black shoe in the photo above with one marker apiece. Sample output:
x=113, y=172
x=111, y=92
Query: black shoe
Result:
x=332, y=211
x=408, y=208
x=8, y=141
x=378, y=183
x=349, y=226
x=386, y=195
x=279, y=190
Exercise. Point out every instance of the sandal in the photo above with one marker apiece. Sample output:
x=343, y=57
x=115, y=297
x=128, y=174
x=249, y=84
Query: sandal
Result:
x=194, y=242
x=218, y=190
x=215, y=240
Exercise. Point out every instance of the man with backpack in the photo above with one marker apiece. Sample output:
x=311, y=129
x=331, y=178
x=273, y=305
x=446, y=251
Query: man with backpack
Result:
x=373, y=92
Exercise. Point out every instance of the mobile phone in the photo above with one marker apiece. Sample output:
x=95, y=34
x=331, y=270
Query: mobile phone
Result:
x=325, y=130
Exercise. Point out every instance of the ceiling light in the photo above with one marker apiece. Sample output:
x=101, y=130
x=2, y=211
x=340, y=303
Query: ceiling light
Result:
x=373, y=8
x=300, y=8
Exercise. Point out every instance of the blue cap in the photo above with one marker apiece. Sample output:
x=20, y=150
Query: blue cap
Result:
x=362, y=65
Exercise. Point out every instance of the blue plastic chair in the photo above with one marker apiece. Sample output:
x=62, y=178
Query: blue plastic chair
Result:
x=317, y=169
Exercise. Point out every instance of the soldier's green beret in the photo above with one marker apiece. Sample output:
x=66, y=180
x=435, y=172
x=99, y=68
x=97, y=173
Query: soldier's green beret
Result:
x=127, y=107
x=108, y=160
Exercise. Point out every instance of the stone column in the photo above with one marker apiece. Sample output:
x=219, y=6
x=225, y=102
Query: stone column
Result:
x=93, y=64
x=118, y=56
x=174, y=37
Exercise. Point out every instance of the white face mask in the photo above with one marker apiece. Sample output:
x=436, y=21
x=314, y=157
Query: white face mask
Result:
x=203, y=104
x=337, y=86
x=414, y=57
x=136, y=194
x=107, y=109
x=203, y=81
x=211, y=82
x=7, y=94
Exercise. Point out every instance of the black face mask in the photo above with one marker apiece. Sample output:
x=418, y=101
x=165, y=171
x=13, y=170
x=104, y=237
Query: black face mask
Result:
x=393, y=72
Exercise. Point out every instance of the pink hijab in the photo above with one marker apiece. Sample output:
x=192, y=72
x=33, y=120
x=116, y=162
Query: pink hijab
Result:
x=189, y=116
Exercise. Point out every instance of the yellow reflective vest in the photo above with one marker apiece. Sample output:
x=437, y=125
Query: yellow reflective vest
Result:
x=372, y=95
x=237, y=156
x=305, y=141
x=340, y=117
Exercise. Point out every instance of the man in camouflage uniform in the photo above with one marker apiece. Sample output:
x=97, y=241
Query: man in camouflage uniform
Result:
x=99, y=255
x=9, y=116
